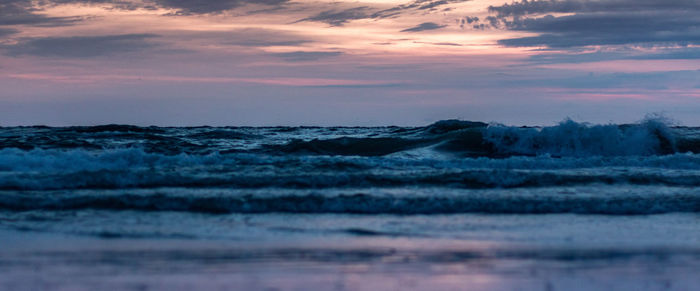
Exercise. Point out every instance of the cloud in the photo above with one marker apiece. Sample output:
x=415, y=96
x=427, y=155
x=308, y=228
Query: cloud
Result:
x=439, y=43
x=22, y=12
x=301, y=56
x=608, y=29
x=524, y=7
x=671, y=54
x=617, y=54
x=415, y=5
x=81, y=46
x=255, y=37
x=433, y=4
x=647, y=80
x=115, y=4
x=360, y=86
x=338, y=18
x=588, y=23
x=211, y=6
x=7, y=31
x=424, y=26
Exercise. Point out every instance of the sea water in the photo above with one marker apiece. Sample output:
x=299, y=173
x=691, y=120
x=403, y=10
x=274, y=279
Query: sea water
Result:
x=456, y=205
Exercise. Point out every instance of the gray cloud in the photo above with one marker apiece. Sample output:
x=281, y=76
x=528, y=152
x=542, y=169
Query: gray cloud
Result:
x=264, y=37
x=211, y=6
x=670, y=54
x=416, y=5
x=619, y=54
x=338, y=18
x=608, y=29
x=612, y=22
x=116, y=4
x=524, y=7
x=439, y=43
x=360, y=86
x=7, y=31
x=424, y=26
x=81, y=46
x=22, y=12
x=302, y=56
x=647, y=81
x=468, y=20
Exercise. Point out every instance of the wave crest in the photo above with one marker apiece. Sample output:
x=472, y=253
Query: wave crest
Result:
x=570, y=138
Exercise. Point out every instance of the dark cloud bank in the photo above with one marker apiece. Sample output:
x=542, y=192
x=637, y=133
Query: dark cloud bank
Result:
x=338, y=18
x=211, y=6
x=23, y=12
x=81, y=46
x=606, y=22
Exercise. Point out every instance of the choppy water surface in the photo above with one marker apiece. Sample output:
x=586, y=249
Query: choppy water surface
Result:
x=439, y=206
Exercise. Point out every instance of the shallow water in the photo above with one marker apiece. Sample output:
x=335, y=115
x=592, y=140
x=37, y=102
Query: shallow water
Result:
x=451, y=206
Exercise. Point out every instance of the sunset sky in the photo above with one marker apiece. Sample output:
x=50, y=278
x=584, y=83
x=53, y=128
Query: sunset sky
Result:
x=381, y=62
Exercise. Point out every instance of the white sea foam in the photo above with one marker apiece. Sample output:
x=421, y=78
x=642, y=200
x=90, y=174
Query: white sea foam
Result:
x=73, y=169
x=570, y=138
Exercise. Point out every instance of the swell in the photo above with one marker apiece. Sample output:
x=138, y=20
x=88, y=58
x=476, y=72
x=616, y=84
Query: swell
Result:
x=135, y=168
x=652, y=136
x=367, y=204
x=468, y=179
x=476, y=139
x=350, y=146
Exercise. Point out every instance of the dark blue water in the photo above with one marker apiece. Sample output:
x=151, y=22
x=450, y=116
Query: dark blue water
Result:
x=461, y=199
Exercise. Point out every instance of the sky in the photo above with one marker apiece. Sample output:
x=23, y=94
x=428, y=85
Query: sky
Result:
x=353, y=63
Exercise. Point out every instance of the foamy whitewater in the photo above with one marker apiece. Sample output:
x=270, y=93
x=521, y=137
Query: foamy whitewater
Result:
x=454, y=205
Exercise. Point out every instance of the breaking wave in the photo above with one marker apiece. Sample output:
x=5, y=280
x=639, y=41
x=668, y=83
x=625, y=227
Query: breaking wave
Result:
x=570, y=138
x=652, y=136
x=477, y=139
x=459, y=154
x=136, y=168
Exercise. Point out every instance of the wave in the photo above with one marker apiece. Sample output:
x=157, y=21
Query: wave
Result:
x=652, y=136
x=363, y=203
x=222, y=134
x=570, y=138
x=444, y=126
x=349, y=146
x=136, y=168
x=115, y=128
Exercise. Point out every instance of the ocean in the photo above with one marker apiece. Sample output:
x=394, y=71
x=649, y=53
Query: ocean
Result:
x=455, y=205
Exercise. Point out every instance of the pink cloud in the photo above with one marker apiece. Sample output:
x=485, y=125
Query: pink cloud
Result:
x=304, y=82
